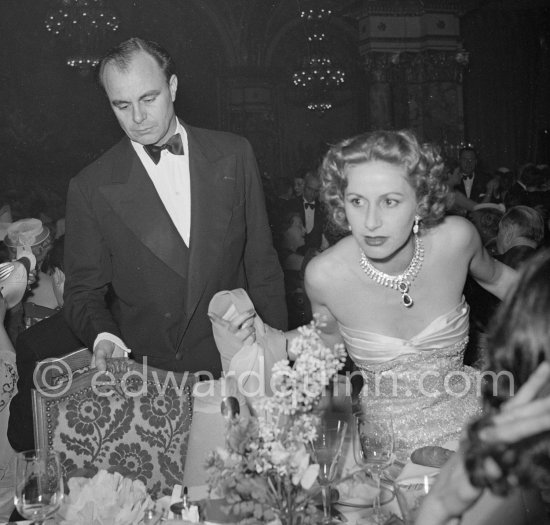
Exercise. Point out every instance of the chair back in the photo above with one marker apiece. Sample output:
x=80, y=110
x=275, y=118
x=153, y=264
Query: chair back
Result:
x=133, y=419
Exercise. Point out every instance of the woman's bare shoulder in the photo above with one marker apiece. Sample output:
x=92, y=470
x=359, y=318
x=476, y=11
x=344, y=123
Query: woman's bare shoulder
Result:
x=454, y=230
x=330, y=263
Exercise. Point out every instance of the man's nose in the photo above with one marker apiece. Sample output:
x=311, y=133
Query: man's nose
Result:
x=138, y=114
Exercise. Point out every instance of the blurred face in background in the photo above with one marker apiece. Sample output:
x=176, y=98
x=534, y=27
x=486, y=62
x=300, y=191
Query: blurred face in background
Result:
x=468, y=161
x=294, y=237
x=312, y=189
x=298, y=186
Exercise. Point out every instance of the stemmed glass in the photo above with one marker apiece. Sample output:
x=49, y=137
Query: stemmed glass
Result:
x=327, y=451
x=38, y=484
x=373, y=448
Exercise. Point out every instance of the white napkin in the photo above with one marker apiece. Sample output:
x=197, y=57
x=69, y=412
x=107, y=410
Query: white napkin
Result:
x=14, y=286
x=250, y=364
x=247, y=374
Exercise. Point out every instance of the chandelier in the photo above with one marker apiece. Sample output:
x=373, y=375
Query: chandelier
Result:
x=318, y=75
x=85, y=25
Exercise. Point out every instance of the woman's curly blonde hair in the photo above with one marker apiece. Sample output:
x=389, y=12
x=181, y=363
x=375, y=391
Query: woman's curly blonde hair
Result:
x=423, y=163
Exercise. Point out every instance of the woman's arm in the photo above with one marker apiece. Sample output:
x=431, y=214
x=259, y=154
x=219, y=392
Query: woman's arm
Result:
x=494, y=276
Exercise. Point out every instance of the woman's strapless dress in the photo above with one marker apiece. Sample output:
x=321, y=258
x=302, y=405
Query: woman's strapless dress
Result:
x=421, y=381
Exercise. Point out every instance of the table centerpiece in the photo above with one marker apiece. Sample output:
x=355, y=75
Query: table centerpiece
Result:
x=265, y=472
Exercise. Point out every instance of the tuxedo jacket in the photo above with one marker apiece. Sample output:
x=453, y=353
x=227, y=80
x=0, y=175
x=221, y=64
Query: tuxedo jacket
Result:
x=479, y=186
x=129, y=272
x=315, y=237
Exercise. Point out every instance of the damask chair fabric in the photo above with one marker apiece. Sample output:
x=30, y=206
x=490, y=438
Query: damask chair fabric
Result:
x=133, y=419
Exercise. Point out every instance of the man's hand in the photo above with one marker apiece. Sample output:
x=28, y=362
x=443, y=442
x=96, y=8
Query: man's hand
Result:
x=103, y=350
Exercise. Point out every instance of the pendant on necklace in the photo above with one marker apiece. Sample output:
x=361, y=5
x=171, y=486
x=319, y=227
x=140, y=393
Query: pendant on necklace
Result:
x=403, y=288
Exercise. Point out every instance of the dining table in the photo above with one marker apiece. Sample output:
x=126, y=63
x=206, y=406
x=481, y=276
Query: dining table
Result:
x=521, y=507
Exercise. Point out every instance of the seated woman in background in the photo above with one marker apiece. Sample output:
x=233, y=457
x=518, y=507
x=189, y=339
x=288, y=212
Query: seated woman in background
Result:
x=498, y=186
x=509, y=446
x=46, y=294
x=8, y=381
x=289, y=239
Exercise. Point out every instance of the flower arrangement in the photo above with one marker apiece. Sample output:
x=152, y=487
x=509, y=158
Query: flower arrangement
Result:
x=105, y=499
x=265, y=472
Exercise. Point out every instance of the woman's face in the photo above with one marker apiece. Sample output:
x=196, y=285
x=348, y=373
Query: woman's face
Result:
x=380, y=206
x=455, y=178
x=298, y=186
x=295, y=235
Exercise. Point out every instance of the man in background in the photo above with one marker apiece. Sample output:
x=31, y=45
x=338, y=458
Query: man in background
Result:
x=474, y=182
x=311, y=211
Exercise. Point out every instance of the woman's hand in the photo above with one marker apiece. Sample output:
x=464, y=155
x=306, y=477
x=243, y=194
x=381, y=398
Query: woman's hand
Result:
x=241, y=326
x=58, y=284
x=451, y=495
x=526, y=414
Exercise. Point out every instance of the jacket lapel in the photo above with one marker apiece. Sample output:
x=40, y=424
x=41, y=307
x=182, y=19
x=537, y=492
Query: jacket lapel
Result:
x=134, y=198
x=213, y=186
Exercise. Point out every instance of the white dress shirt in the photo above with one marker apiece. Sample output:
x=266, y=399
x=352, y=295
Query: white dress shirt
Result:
x=309, y=215
x=172, y=182
x=468, y=185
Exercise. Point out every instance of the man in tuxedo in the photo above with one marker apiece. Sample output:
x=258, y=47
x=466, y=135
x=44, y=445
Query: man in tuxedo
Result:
x=311, y=210
x=162, y=221
x=474, y=182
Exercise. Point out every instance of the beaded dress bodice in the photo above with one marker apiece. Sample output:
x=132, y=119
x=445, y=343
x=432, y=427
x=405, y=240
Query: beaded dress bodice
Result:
x=421, y=381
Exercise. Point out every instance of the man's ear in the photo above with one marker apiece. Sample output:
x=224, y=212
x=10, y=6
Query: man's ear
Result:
x=173, y=85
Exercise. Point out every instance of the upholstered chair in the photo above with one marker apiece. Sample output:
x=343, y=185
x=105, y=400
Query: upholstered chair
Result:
x=133, y=419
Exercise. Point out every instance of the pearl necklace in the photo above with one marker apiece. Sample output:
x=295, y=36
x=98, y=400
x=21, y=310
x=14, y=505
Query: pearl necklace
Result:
x=401, y=282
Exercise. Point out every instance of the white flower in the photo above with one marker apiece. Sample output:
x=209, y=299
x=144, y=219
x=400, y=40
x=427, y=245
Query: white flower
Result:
x=278, y=454
x=110, y=498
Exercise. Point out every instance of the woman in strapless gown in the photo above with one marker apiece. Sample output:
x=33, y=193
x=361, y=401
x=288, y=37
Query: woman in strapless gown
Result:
x=392, y=291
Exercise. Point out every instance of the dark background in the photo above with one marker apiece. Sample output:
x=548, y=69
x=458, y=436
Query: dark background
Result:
x=55, y=120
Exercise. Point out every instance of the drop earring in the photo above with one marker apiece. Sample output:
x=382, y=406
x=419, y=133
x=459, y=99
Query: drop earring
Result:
x=416, y=227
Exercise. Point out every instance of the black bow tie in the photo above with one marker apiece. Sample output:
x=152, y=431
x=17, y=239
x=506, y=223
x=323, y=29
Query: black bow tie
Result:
x=174, y=146
x=468, y=177
x=309, y=205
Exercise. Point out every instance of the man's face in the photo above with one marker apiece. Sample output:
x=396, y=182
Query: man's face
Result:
x=142, y=99
x=311, y=189
x=468, y=162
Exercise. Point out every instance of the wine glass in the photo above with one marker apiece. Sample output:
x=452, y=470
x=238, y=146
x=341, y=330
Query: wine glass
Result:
x=327, y=451
x=38, y=484
x=373, y=448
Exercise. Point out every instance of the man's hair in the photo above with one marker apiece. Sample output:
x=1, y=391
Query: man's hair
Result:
x=467, y=148
x=122, y=54
x=527, y=222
